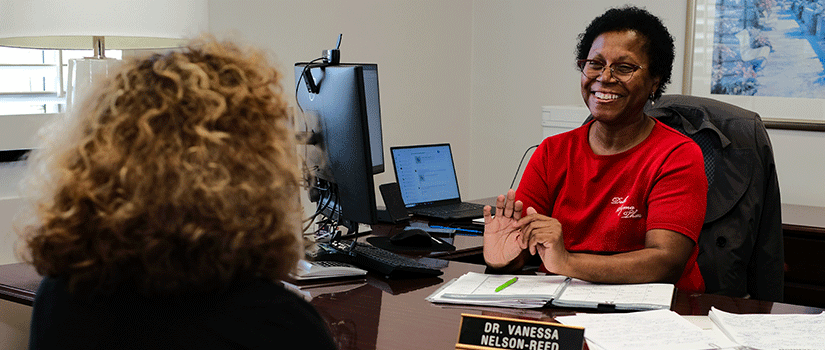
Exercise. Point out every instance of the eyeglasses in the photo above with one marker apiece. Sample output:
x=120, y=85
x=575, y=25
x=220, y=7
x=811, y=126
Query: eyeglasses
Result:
x=623, y=72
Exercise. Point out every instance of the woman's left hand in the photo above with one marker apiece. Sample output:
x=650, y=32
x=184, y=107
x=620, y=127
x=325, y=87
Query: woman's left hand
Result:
x=502, y=241
x=543, y=235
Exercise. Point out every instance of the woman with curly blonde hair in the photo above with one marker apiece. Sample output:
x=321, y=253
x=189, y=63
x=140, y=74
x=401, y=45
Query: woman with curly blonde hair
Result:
x=167, y=211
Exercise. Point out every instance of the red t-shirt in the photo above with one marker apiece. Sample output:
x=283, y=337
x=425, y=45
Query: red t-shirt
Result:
x=608, y=203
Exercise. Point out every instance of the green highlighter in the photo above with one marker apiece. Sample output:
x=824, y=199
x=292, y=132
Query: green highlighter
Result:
x=506, y=284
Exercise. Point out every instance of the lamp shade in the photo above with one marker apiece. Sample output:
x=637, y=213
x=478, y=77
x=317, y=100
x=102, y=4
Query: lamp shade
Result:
x=125, y=24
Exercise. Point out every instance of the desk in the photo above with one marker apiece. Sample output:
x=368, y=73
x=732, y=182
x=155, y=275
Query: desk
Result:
x=18, y=283
x=804, y=238
x=468, y=248
x=392, y=314
x=388, y=314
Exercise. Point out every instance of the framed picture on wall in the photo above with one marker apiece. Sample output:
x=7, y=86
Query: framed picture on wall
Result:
x=764, y=55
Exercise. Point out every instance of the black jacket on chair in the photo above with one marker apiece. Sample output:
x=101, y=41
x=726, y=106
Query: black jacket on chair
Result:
x=741, y=249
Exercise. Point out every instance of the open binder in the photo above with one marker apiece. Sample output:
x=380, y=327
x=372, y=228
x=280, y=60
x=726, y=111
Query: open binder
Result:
x=532, y=291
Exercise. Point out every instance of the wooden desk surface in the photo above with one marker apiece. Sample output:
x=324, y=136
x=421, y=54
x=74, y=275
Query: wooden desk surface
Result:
x=18, y=283
x=378, y=313
x=392, y=314
x=466, y=245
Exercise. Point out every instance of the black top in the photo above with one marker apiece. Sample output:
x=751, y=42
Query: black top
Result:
x=741, y=249
x=255, y=314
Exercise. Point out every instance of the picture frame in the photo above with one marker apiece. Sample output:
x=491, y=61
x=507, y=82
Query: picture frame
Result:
x=753, y=54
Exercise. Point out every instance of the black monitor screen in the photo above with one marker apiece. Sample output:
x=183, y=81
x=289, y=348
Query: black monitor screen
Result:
x=346, y=151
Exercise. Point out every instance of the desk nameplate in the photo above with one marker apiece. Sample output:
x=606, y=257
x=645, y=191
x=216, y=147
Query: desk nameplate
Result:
x=490, y=332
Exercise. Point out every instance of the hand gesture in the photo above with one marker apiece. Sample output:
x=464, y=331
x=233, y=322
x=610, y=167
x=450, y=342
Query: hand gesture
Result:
x=503, y=241
x=543, y=235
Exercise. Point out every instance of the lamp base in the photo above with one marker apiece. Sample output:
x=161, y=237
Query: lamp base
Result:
x=83, y=74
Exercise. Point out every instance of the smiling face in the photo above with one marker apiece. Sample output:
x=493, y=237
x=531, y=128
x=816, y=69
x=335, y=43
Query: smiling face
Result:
x=610, y=100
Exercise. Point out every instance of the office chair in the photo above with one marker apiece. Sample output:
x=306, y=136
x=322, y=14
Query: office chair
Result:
x=741, y=249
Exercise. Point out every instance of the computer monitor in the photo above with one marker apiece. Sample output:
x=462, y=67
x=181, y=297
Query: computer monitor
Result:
x=345, y=149
x=370, y=77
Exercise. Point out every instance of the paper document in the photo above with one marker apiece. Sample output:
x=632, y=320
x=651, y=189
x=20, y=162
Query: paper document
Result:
x=479, y=289
x=768, y=331
x=655, y=329
x=643, y=296
x=531, y=291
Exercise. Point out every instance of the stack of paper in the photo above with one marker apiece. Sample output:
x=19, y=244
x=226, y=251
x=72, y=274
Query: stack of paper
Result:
x=653, y=330
x=767, y=332
x=538, y=291
x=479, y=289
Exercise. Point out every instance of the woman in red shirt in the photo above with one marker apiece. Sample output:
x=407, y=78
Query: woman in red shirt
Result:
x=622, y=198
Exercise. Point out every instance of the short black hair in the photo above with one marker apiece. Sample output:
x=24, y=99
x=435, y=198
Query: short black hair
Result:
x=659, y=46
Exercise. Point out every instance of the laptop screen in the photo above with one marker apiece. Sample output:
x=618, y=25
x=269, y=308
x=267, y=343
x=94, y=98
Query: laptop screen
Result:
x=425, y=174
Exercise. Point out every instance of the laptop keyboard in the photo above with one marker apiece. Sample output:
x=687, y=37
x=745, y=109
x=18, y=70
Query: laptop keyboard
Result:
x=462, y=207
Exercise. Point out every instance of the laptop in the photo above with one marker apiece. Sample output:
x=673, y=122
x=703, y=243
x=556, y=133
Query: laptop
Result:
x=428, y=183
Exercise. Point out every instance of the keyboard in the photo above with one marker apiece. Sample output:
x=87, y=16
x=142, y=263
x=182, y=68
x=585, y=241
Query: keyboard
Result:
x=372, y=258
x=459, y=210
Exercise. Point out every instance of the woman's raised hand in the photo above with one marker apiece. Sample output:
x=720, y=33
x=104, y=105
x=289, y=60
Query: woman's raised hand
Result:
x=503, y=241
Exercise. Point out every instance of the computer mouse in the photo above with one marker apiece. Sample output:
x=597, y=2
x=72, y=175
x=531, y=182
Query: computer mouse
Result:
x=412, y=238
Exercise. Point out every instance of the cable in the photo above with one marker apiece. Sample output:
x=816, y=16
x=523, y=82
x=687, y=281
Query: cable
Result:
x=326, y=197
x=519, y=165
x=329, y=223
x=321, y=204
x=298, y=82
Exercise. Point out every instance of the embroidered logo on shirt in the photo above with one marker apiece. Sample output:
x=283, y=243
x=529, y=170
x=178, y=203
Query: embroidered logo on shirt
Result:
x=625, y=211
x=619, y=200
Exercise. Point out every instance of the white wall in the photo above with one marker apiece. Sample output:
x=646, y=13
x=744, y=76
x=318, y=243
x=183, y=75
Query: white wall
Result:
x=16, y=132
x=474, y=73
x=422, y=49
x=800, y=165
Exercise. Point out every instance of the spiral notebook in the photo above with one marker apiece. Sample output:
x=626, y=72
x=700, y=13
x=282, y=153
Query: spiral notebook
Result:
x=535, y=291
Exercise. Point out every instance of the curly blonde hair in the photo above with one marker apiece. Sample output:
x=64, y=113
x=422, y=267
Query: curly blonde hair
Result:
x=180, y=174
